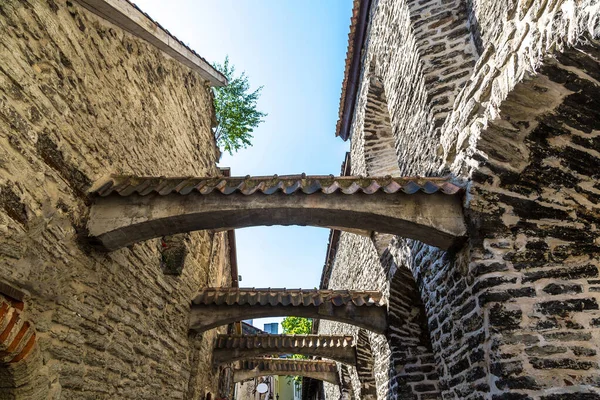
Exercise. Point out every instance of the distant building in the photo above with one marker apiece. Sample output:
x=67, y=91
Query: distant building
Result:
x=280, y=387
x=248, y=329
x=272, y=328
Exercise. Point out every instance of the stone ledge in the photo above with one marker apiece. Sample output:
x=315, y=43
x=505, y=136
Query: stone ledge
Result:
x=129, y=17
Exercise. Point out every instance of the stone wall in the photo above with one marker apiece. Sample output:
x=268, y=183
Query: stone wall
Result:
x=527, y=295
x=81, y=99
x=514, y=314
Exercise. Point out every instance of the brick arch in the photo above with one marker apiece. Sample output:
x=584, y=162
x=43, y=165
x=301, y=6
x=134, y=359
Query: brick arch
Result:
x=20, y=358
x=364, y=366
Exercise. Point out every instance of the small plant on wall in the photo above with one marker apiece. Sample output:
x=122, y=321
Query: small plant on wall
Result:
x=236, y=110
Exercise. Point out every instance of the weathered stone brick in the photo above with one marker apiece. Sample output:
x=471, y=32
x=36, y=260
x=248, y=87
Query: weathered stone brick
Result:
x=562, y=308
x=506, y=369
x=583, y=351
x=568, y=336
x=518, y=382
x=545, y=350
x=563, y=363
x=584, y=271
x=554, y=288
x=503, y=319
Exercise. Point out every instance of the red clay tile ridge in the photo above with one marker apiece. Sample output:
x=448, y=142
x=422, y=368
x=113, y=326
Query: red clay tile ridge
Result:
x=282, y=341
x=287, y=365
x=287, y=297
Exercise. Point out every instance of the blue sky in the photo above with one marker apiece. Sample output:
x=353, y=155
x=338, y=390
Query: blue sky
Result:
x=296, y=50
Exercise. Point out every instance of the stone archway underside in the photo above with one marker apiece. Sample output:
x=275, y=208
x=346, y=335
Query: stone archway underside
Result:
x=220, y=306
x=230, y=348
x=315, y=369
x=128, y=210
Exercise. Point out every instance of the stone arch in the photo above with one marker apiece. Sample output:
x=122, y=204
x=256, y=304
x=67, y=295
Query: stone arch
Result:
x=326, y=371
x=219, y=306
x=127, y=210
x=20, y=357
x=413, y=368
x=364, y=366
x=231, y=348
x=379, y=144
x=346, y=389
x=536, y=255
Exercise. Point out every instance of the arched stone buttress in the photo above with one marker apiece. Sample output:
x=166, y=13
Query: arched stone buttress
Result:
x=413, y=369
x=379, y=148
x=127, y=210
x=230, y=348
x=530, y=279
x=315, y=369
x=346, y=390
x=379, y=144
x=535, y=259
x=219, y=306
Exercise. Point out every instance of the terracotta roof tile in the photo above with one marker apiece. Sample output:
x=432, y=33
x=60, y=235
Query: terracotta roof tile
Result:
x=286, y=365
x=128, y=185
x=282, y=341
x=286, y=297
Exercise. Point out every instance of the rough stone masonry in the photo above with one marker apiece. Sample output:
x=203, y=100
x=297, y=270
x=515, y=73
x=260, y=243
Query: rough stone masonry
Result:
x=502, y=96
x=81, y=99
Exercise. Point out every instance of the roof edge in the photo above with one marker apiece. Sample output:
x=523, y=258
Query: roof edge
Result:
x=132, y=19
x=356, y=40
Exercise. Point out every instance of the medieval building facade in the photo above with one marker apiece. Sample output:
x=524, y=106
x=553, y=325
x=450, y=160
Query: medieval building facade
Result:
x=501, y=97
x=89, y=89
x=478, y=280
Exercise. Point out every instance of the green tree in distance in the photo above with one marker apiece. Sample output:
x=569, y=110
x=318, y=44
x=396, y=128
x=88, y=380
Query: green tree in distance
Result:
x=235, y=107
x=297, y=326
